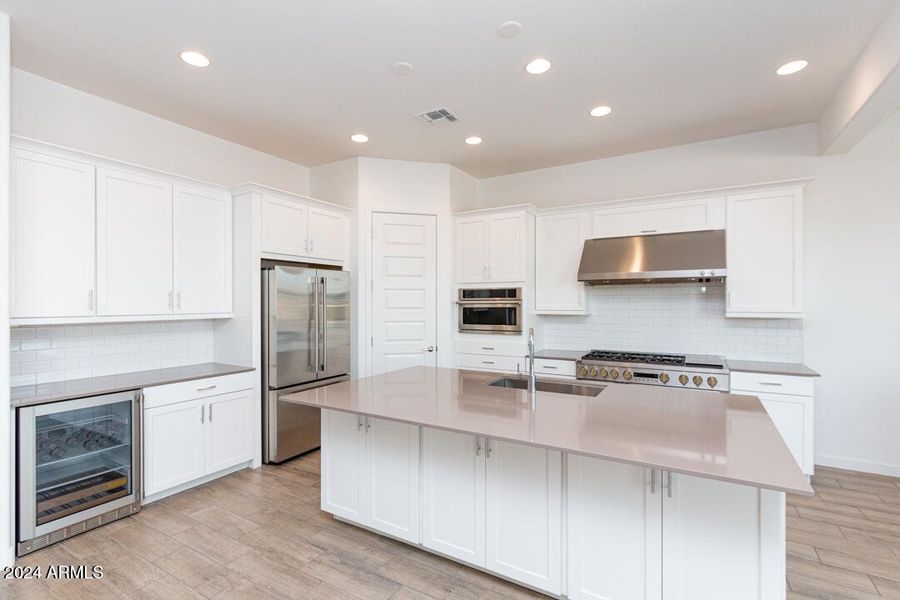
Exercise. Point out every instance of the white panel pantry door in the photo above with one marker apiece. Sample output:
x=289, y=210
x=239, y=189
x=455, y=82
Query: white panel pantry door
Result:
x=404, y=309
x=134, y=244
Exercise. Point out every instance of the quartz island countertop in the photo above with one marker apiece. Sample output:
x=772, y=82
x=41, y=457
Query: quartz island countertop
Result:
x=723, y=436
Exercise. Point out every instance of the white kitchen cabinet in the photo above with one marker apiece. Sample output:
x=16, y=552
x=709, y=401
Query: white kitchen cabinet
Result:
x=327, y=234
x=173, y=445
x=195, y=429
x=550, y=367
x=491, y=248
x=790, y=402
x=228, y=430
x=765, y=254
x=285, y=225
x=524, y=514
x=134, y=244
x=453, y=495
x=559, y=241
x=343, y=465
x=202, y=255
x=614, y=537
x=52, y=266
x=671, y=216
x=392, y=478
x=721, y=540
x=484, y=362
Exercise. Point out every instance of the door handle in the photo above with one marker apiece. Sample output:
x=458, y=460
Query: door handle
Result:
x=669, y=484
x=429, y=348
x=324, y=323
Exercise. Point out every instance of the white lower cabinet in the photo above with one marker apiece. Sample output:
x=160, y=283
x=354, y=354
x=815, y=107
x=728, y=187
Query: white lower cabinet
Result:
x=187, y=439
x=524, y=514
x=453, y=495
x=370, y=473
x=639, y=534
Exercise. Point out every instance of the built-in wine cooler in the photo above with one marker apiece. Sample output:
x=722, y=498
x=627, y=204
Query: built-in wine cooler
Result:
x=79, y=466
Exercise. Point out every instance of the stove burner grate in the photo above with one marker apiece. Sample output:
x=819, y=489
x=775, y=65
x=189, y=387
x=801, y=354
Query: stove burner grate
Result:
x=635, y=357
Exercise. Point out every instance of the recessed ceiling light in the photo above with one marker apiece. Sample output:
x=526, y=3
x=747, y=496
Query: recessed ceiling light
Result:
x=795, y=66
x=538, y=66
x=600, y=111
x=473, y=140
x=359, y=138
x=194, y=58
x=402, y=68
x=509, y=29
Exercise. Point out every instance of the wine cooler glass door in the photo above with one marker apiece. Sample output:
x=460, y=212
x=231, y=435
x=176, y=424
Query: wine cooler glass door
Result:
x=83, y=459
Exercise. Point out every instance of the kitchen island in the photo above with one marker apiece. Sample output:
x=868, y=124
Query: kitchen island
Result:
x=615, y=492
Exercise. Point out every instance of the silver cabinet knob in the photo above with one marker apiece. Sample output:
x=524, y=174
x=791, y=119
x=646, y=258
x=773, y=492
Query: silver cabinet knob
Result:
x=429, y=348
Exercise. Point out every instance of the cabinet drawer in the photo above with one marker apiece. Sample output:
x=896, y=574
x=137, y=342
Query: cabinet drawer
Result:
x=481, y=362
x=771, y=384
x=500, y=348
x=549, y=366
x=161, y=395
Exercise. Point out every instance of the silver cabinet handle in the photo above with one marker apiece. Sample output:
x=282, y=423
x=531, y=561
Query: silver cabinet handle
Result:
x=488, y=448
x=648, y=231
x=202, y=414
x=312, y=245
x=90, y=299
x=359, y=423
x=487, y=362
x=171, y=300
x=488, y=348
x=477, y=446
x=209, y=387
x=550, y=367
x=306, y=245
x=368, y=424
x=652, y=481
x=210, y=413
x=773, y=383
x=669, y=484
x=429, y=348
x=178, y=301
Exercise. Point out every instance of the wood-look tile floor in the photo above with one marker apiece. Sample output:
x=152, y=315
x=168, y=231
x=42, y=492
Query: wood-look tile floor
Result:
x=260, y=535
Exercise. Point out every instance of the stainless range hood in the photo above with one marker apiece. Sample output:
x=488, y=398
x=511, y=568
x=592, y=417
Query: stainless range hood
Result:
x=663, y=258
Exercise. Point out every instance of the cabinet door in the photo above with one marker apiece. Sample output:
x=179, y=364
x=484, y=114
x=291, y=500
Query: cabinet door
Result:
x=507, y=248
x=559, y=244
x=722, y=540
x=665, y=217
x=614, y=531
x=524, y=514
x=228, y=430
x=173, y=445
x=392, y=478
x=284, y=226
x=134, y=244
x=203, y=263
x=471, y=249
x=343, y=465
x=453, y=494
x=789, y=413
x=765, y=255
x=327, y=234
x=52, y=236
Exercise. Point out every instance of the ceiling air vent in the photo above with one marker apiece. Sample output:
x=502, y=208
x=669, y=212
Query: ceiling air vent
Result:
x=433, y=118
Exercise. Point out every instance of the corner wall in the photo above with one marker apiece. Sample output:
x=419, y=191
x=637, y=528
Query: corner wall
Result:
x=7, y=469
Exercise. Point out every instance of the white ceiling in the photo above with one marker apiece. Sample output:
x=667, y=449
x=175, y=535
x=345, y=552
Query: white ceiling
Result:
x=296, y=78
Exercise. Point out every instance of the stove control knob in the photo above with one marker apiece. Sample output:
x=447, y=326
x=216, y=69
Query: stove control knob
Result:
x=604, y=373
x=627, y=374
x=698, y=381
x=664, y=377
x=614, y=373
x=683, y=379
x=593, y=372
x=712, y=381
x=583, y=371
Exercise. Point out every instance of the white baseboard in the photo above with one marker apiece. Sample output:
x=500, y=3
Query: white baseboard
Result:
x=191, y=484
x=851, y=464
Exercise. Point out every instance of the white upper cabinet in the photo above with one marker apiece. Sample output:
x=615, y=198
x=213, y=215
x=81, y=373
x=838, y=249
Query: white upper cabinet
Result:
x=765, y=254
x=202, y=224
x=491, y=247
x=671, y=216
x=52, y=236
x=293, y=226
x=134, y=244
x=559, y=243
x=327, y=233
x=285, y=224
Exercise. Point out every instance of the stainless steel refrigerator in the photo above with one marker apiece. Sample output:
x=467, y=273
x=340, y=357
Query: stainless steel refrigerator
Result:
x=306, y=344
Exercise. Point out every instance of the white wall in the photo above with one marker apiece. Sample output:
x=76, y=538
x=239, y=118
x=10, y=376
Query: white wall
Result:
x=7, y=469
x=51, y=112
x=852, y=220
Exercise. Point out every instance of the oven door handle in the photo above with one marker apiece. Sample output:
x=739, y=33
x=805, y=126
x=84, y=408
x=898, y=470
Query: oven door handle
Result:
x=489, y=304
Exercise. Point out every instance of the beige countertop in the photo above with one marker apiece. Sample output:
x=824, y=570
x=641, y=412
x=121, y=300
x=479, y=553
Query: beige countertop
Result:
x=28, y=395
x=711, y=434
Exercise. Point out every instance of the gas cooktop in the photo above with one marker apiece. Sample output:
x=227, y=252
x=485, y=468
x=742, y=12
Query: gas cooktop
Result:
x=654, y=368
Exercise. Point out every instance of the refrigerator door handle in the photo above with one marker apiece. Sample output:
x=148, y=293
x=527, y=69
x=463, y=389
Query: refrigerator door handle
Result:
x=324, y=323
x=316, y=323
x=270, y=326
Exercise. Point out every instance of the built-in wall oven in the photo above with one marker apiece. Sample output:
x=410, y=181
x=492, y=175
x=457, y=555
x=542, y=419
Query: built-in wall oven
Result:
x=79, y=466
x=490, y=310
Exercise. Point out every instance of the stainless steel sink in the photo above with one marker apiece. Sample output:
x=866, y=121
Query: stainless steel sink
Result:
x=547, y=385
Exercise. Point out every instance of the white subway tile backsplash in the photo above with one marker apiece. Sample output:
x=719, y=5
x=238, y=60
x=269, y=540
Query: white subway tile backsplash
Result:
x=675, y=318
x=63, y=352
